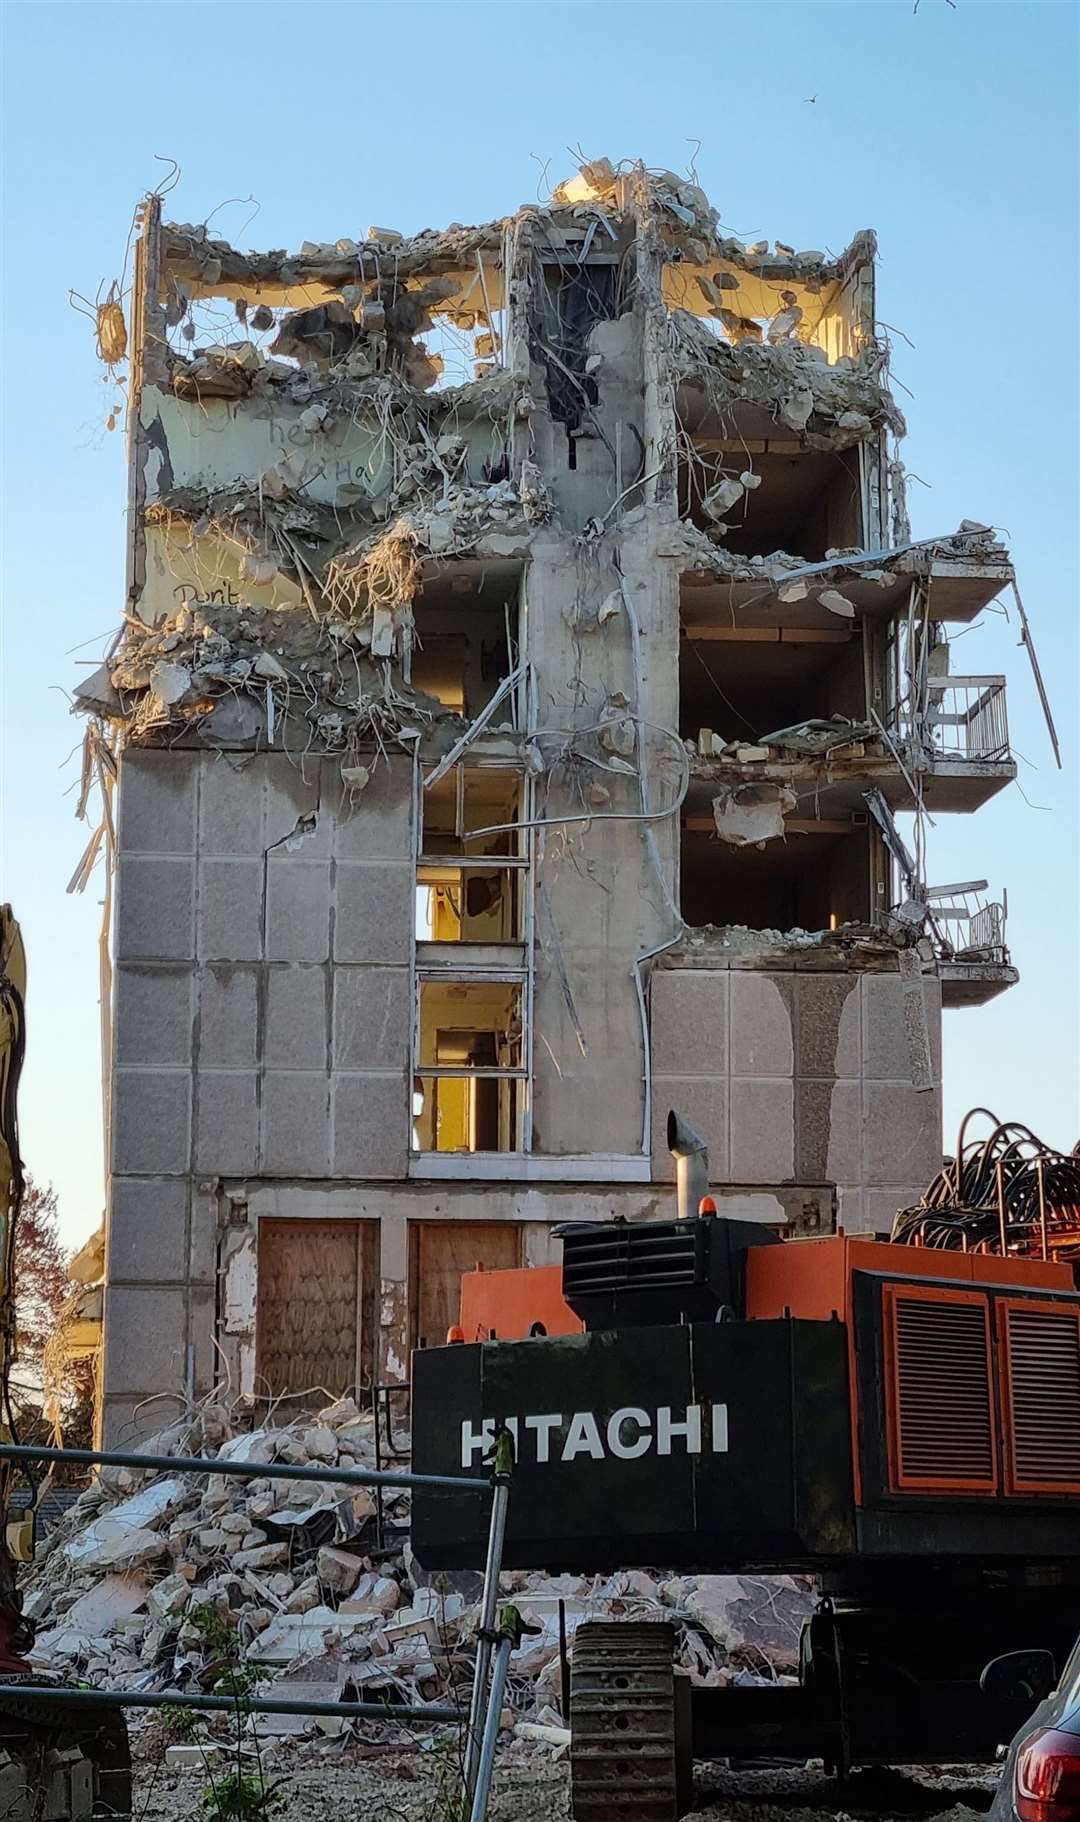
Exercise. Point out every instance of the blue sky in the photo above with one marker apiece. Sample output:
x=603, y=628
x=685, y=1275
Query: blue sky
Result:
x=951, y=131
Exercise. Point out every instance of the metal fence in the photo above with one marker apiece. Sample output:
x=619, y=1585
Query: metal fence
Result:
x=967, y=924
x=965, y=718
x=486, y=1697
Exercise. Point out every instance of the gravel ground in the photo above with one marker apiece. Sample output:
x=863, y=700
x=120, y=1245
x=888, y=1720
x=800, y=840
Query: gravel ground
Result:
x=354, y=1784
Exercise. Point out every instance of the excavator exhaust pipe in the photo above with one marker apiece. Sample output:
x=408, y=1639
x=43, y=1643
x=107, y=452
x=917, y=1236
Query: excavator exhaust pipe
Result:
x=691, y=1155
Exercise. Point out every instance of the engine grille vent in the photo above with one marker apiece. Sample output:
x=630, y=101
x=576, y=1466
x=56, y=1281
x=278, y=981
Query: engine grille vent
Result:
x=942, y=1418
x=621, y=1257
x=1042, y=1349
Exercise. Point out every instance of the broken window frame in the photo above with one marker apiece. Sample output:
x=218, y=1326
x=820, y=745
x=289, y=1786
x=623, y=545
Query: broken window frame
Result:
x=449, y=962
x=510, y=692
x=446, y=976
x=521, y=863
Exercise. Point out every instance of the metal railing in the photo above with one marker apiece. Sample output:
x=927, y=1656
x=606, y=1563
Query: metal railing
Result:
x=964, y=718
x=486, y=1695
x=968, y=926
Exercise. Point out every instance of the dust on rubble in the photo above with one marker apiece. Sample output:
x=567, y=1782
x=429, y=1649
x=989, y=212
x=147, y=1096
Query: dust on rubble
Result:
x=352, y=1787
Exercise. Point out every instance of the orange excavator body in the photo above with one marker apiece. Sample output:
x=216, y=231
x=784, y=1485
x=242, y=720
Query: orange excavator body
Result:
x=508, y=1305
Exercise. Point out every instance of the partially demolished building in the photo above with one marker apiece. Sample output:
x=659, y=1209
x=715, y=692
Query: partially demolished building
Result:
x=506, y=755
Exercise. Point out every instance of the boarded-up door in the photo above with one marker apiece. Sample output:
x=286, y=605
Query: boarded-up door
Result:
x=440, y=1252
x=313, y=1318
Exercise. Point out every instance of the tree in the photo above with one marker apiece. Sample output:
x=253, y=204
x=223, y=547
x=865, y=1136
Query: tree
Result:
x=41, y=1277
x=42, y=1285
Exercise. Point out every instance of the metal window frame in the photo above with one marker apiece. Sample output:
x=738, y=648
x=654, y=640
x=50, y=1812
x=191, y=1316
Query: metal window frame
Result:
x=456, y=968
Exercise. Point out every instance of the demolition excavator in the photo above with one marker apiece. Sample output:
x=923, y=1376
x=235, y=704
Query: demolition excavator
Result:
x=55, y=1760
x=896, y=1416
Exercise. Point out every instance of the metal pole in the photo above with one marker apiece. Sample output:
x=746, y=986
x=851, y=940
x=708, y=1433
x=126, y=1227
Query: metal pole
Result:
x=504, y=1462
x=564, y=1666
x=250, y=1470
x=1001, y=1205
x=491, y=1729
x=1042, y=1206
x=376, y=1406
x=219, y=1704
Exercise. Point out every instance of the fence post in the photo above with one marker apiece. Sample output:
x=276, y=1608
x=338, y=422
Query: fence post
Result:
x=511, y=1628
x=501, y=1473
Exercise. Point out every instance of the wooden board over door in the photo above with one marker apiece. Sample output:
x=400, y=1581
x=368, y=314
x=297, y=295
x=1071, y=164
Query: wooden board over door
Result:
x=314, y=1313
x=439, y=1252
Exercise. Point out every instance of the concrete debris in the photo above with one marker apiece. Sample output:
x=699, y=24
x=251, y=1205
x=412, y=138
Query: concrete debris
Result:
x=792, y=379
x=722, y=497
x=807, y=738
x=748, y=815
x=226, y=664
x=860, y=946
x=337, y=1570
x=169, y=683
x=748, y=1616
x=323, y=1618
x=796, y=579
x=837, y=603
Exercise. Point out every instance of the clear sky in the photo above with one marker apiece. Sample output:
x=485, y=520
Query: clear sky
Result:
x=951, y=130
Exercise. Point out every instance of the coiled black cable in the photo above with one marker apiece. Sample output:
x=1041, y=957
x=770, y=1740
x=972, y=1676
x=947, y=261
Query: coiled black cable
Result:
x=1010, y=1191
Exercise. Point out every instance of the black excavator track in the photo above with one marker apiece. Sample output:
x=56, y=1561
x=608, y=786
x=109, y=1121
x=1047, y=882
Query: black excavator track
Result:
x=629, y=1753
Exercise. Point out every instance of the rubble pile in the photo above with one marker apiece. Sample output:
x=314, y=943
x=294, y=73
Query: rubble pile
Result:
x=859, y=945
x=971, y=544
x=147, y=1572
x=237, y=671
x=830, y=405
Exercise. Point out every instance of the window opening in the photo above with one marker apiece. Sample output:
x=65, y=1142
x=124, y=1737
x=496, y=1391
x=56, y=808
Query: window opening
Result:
x=469, y=1087
x=469, y=887
x=464, y=644
x=472, y=1054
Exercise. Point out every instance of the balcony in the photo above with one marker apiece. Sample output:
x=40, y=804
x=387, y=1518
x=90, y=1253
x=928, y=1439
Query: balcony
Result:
x=968, y=932
x=959, y=743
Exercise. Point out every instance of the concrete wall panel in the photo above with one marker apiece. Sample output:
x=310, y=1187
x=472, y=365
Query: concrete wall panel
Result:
x=761, y=1018
x=145, y=1329
x=154, y=1016
x=126, y=1421
x=226, y=1122
x=297, y=1027
x=374, y=913
x=151, y=1122
x=901, y=1134
x=297, y=910
x=372, y=1016
x=229, y=921
x=370, y=1138
x=295, y=825
x=227, y=1016
x=829, y=1025
x=375, y=823
x=155, y=908
x=688, y=1014
x=885, y=1044
x=231, y=800
x=762, y=1130
x=157, y=801
x=147, y=1230
x=295, y=1124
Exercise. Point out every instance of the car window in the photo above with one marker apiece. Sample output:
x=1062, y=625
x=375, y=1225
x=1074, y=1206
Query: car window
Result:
x=1068, y=1682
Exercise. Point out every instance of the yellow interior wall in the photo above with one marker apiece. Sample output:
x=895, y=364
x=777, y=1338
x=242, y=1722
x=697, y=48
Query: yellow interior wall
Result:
x=823, y=321
x=181, y=568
